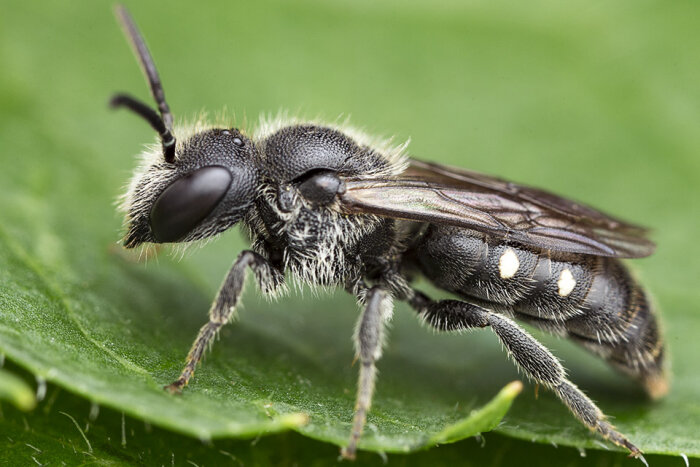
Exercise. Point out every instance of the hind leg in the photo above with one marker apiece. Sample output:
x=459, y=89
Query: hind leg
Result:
x=532, y=357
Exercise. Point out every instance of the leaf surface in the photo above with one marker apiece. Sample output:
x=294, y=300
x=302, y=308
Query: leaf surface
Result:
x=588, y=105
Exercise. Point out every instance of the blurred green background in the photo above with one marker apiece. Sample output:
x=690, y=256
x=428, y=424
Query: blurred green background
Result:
x=594, y=100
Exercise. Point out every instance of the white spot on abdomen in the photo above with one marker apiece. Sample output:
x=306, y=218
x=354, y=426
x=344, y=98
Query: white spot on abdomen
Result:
x=508, y=264
x=566, y=283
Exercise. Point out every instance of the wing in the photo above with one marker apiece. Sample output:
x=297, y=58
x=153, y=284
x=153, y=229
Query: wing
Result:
x=445, y=195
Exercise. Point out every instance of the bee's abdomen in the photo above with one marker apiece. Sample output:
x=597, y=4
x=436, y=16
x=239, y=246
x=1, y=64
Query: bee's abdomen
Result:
x=593, y=300
x=523, y=281
x=619, y=324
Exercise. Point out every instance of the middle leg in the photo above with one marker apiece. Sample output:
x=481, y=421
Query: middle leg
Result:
x=369, y=337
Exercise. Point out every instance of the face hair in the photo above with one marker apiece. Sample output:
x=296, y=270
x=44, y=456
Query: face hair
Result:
x=148, y=66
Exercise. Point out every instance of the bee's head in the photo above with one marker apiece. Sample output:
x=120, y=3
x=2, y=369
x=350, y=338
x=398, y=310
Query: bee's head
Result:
x=185, y=190
x=206, y=189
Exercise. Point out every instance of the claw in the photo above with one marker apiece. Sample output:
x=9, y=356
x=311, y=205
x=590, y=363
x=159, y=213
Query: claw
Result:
x=175, y=388
x=348, y=453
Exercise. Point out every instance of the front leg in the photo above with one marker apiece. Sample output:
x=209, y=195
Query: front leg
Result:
x=223, y=308
x=369, y=336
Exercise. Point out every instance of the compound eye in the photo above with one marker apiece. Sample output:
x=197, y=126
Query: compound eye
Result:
x=187, y=202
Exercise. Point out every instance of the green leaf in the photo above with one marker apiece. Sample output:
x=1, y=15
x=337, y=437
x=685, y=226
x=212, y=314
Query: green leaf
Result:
x=16, y=391
x=577, y=98
x=259, y=393
x=67, y=429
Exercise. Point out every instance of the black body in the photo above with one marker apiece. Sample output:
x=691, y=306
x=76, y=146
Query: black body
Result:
x=333, y=207
x=606, y=311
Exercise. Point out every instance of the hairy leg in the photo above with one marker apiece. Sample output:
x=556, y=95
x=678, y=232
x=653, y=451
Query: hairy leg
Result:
x=369, y=336
x=223, y=308
x=532, y=357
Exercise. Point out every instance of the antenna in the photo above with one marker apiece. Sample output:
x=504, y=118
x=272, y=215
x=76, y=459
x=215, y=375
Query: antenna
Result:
x=152, y=117
x=163, y=124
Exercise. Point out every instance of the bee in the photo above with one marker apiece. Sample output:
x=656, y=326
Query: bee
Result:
x=330, y=206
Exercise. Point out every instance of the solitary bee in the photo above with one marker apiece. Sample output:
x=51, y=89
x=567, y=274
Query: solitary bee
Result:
x=333, y=207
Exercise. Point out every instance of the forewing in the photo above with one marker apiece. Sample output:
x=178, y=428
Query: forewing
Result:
x=445, y=195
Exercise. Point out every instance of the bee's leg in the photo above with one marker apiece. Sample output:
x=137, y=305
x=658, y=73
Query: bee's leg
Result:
x=532, y=357
x=369, y=336
x=223, y=308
